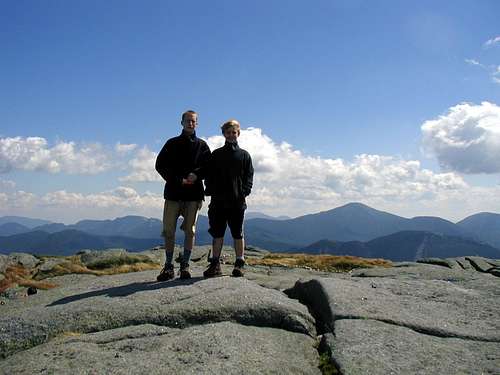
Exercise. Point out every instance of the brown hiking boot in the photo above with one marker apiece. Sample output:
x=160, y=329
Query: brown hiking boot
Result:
x=167, y=273
x=184, y=272
x=213, y=270
x=238, y=268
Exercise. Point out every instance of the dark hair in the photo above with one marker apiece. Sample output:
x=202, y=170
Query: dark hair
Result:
x=188, y=112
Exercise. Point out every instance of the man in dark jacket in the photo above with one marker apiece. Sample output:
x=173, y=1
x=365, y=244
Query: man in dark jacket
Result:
x=182, y=163
x=228, y=182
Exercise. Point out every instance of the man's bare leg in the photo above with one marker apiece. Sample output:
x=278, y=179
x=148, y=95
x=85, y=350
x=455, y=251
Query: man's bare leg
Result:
x=217, y=244
x=239, y=248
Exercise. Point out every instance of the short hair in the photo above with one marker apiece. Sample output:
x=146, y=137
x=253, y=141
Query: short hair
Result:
x=230, y=124
x=188, y=112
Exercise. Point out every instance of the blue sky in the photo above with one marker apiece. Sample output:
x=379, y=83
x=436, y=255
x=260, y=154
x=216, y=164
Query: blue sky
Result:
x=334, y=79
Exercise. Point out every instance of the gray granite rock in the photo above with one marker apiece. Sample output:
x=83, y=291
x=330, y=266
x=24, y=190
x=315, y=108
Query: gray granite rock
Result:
x=377, y=348
x=49, y=264
x=480, y=264
x=85, y=303
x=89, y=258
x=217, y=348
x=26, y=260
x=464, y=263
x=435, y=307
x=392, y=324
x=4, y=262
x=448, y=262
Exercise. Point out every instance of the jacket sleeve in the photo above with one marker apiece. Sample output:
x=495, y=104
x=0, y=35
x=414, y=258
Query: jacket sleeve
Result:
x=164, y=166
x=208, y=176
x=247, y=180
x=202, y=170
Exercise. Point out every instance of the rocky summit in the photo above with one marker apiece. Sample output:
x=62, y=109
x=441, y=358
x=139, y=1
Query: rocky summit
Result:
x=436, y=316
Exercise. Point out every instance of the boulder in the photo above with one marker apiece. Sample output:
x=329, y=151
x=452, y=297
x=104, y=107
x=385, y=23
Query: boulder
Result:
x=86, y=303
x=90, y=258
x=26, y=260
x=49, y=264
x=480, y=264
x=395, y=324
x=4, y=263
x=214, y=348
x=378, y=348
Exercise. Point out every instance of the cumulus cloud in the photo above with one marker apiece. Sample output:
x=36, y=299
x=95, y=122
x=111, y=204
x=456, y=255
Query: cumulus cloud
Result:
x=143, y=167
x=66, y=206
x=7, y=185
x=491, y=42
x=466, y=139
x=35, y=154
x=125, y=148
x=289, y=182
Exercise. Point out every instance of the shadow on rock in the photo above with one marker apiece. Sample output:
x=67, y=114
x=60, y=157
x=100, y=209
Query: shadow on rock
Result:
x=126, y=290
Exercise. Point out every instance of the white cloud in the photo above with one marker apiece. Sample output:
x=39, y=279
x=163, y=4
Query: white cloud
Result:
x=466, y=139
x=64, y=206
x=34, y=154
x=474, y=62
x=125, y=148
x=7, y=185
x=491, y=42
x=495, y=76
x=289, y=182
x=143, y=167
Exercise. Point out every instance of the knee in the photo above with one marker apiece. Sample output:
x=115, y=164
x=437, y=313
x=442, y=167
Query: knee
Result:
x=168, y=235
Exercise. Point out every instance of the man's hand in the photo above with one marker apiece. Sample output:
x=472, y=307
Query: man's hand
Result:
x=192, y=178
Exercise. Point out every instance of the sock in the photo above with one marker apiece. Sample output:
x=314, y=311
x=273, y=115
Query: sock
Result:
x=169, y=256
x=186, y=257
x=215, y=260
x=241, y=257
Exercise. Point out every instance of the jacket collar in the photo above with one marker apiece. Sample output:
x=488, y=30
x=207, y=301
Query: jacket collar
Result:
x=191, y=137
x=232, y=146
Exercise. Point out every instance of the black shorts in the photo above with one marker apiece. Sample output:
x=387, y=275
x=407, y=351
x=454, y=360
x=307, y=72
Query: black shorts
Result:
x=219, y=216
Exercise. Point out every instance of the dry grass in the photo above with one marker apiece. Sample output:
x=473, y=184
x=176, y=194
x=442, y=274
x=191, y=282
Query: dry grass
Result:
x=329, y=263
x=112, y=266
x=18, y=275
x=21, y=276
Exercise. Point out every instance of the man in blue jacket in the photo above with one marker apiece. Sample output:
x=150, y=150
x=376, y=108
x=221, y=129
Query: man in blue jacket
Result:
x=182, y=163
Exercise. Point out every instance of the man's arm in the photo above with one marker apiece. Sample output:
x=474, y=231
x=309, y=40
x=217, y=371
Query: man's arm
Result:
x=247, y=178
x=201, y=170
x=164, y=166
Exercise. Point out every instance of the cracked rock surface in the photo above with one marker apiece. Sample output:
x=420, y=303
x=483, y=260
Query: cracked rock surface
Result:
x=432, y=317
x=89, y=304
x=214, y=348
x=414, y=319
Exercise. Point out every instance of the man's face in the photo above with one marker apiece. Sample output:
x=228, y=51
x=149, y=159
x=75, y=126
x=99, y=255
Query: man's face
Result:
x=189, y=122
x=231, y=134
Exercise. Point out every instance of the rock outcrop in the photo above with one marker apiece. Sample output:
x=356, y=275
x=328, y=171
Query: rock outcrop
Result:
x=432, y=317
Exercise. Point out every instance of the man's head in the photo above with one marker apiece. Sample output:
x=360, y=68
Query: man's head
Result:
x=189, y=121
x=231, y=130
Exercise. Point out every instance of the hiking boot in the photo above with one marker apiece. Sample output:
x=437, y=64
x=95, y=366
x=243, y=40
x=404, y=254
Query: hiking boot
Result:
x=184, y=272
x=213, y=270
x=167, y=273
x=238, y=268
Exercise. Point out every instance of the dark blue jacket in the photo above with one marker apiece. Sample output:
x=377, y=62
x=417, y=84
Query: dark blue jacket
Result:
x=180, y=156
x=230, y=175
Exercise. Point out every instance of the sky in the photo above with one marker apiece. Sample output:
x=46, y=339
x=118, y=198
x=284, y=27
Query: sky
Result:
x=394, y=104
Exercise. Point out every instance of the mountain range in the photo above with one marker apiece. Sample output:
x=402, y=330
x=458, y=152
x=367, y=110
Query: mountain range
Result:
x=354, y=229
